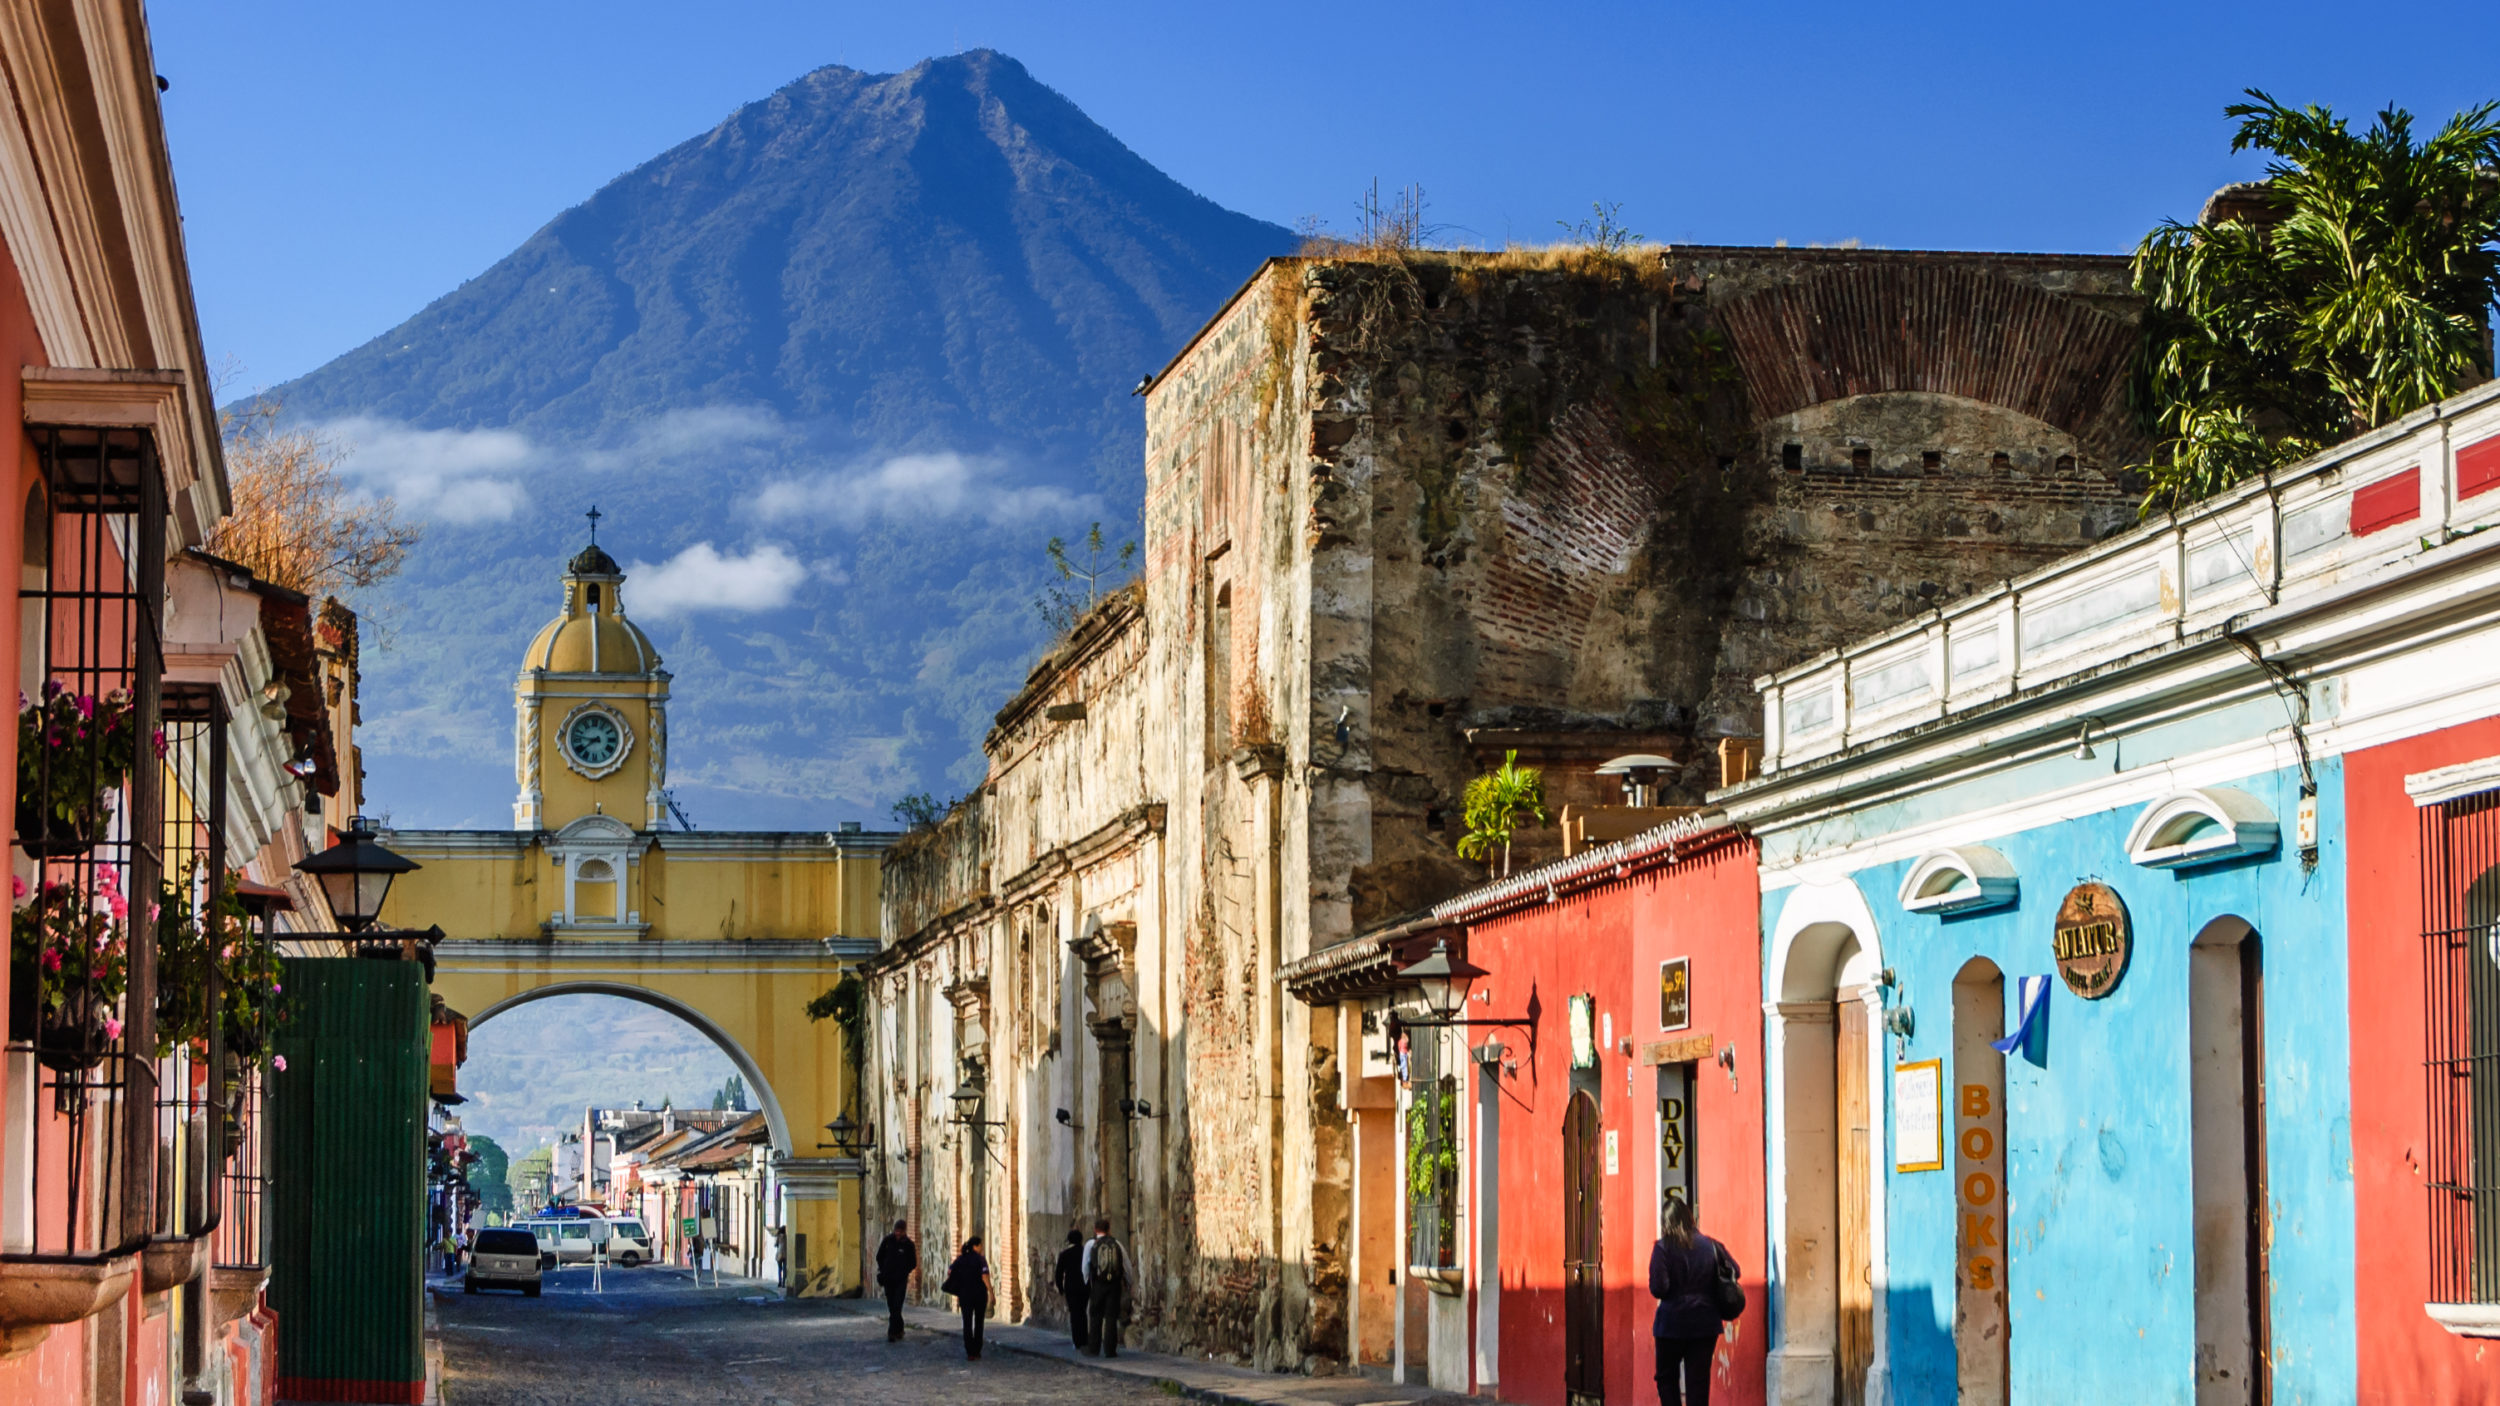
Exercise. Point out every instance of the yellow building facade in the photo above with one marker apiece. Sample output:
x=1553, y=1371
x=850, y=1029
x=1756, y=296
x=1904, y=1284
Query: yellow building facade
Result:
x=593, y=891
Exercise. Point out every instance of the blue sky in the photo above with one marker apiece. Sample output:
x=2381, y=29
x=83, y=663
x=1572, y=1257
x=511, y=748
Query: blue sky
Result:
x=341, y=165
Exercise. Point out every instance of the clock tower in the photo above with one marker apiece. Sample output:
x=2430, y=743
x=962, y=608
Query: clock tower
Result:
x=590, y=727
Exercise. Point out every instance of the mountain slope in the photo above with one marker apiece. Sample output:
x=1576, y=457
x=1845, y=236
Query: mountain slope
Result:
x=835, y=368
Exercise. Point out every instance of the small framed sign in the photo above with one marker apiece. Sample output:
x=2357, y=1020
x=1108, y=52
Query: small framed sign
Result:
x=1918, y=1116
x=1675, y=994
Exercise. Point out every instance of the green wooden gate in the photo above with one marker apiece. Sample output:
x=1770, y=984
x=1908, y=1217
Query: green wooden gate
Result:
x=347, y=1182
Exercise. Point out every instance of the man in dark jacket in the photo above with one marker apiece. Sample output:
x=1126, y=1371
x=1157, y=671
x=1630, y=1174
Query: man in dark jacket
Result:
x=1069, y=1280
x=897, y=1258
x=1108, y=1271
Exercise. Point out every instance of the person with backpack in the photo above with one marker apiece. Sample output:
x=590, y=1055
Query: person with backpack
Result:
x=1107, y=1274
x=968, y=1279
x=897, y=1260
x=1069, y=1280
x=1698, y=1287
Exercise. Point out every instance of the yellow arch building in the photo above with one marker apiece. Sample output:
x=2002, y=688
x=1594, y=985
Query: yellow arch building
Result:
x=590, y=892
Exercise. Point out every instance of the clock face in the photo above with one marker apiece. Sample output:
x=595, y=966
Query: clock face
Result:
x=594, y=739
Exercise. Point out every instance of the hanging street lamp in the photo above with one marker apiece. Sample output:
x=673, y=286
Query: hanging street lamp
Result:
x=355, y=874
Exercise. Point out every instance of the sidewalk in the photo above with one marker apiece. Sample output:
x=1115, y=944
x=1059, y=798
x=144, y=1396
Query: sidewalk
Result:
x=1183, y=1376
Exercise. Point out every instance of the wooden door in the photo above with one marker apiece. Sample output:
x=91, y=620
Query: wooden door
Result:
x=1584, y=1294
x=1856, y=1345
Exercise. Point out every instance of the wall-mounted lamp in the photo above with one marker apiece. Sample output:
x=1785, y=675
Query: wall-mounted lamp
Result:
x=849, y=1138
x=1067, y=1122
x=1138, y=1108
x=2083, y=739
x=1726, y=1059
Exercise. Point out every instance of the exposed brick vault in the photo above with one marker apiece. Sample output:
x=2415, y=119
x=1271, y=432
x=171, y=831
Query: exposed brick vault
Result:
x=1402, y=517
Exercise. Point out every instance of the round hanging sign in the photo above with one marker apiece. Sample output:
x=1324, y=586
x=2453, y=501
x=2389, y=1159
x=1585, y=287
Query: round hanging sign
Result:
x=2092, y=940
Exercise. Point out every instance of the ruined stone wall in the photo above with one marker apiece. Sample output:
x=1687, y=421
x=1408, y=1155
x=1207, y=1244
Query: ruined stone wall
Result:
x=1603, y=494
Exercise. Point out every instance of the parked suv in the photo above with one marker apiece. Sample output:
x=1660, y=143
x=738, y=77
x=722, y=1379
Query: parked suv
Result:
x=505, y=1259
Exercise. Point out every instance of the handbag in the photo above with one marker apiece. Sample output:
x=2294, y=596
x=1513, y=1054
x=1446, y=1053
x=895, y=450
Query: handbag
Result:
x=1727, y=1294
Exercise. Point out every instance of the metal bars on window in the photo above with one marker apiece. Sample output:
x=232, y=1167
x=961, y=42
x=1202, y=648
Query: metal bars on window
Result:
x=2461, y=954
x=197, y=930
x=78, y=1167
x=1431, y=1155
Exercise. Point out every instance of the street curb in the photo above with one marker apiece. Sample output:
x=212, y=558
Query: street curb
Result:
x=1170, y=1386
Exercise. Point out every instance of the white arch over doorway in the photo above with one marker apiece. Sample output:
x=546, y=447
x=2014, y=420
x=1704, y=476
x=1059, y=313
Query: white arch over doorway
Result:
x=752, y=1076
x=1824, y=940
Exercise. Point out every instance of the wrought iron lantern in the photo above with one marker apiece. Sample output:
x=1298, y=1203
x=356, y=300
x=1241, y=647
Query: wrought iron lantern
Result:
x=355, y=874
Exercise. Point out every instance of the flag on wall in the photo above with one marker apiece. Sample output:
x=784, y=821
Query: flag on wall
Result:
x=2031, y=1032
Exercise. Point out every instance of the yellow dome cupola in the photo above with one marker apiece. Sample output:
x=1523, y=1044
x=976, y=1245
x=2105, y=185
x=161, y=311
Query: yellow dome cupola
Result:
x=590, y=726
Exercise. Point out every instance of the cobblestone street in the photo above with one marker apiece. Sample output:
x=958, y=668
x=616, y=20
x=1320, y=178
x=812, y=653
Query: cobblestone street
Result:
x=653, y=1339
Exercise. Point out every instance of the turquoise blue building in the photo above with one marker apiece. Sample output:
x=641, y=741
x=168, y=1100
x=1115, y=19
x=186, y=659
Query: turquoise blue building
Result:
x=2058, y=995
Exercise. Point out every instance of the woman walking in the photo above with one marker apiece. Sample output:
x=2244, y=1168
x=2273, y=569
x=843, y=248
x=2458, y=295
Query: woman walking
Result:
x=968, y=1279
x=1693, y=1277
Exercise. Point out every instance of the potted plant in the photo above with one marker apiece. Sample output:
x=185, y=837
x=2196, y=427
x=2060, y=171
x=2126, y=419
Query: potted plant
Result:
x=73, y=749
x=190, y=946
x=71, y=951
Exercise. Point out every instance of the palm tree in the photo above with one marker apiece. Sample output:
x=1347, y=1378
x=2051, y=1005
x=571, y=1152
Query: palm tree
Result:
x=2354, y=286
x=1494, y=802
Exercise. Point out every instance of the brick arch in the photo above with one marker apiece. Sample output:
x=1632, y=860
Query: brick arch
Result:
x=1877, y=327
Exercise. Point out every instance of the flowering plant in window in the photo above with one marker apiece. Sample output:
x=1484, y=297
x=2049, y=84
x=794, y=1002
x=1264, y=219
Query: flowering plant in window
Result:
x=73, y=749
x=190, y=944
x=70, y=950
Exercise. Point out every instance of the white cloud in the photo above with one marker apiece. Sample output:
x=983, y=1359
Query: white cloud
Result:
x=447, y=476
x=940, y=485
x=700, y=578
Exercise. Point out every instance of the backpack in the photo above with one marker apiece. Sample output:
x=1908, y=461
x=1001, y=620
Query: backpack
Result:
x=1110, y=1267
x=1727, y=1295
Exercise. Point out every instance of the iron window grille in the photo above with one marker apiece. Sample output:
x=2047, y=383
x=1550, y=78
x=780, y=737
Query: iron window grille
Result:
x=2461, y=952
x=1431, y=1157
x=79, y=1167
x=192, y=950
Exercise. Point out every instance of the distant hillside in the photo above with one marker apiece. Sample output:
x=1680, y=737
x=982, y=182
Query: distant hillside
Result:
x=532, y=1071
x=833, y=371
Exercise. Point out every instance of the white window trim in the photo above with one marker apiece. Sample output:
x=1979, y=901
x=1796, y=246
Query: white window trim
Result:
x=1993, y=882
x=2243, y=826
x=2466, y=1320
x=2448, y=783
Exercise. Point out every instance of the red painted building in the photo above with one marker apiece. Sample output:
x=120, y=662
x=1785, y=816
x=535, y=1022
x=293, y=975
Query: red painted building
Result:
x=1640, y=962
x=2424, y=837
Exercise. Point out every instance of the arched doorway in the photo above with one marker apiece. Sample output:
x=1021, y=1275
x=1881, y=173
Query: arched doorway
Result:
x=1827, y=1197
x=1584, y=1283
x=748, y=1071
x=1981, y=1323
x=2227, y=1129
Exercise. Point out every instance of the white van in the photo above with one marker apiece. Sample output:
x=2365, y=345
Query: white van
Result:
x=628, y=1243
x=575, y=1239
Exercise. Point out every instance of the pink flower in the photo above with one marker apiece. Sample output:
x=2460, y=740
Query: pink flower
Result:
x=86, y=705
x=275, y=988
x=118, y=905
x=112, y=1028
x=153, y=910
x=51, y=959
x=280, y=1061
x=17, y=887
x=157, y=740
